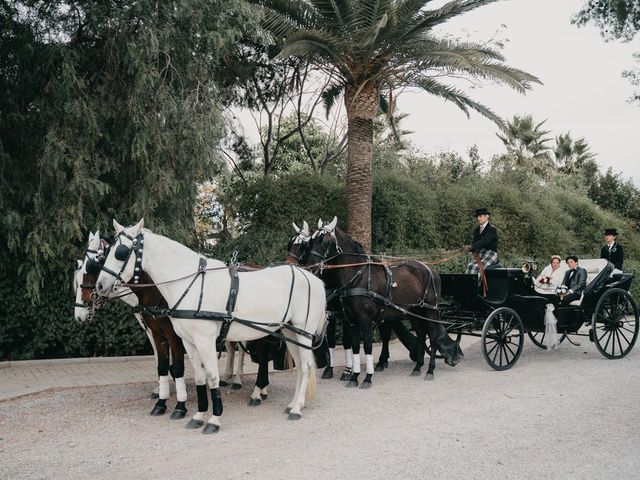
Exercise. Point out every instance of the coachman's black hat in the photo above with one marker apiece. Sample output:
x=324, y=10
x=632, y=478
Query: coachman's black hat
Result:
x=610, y=231
x=482, y=211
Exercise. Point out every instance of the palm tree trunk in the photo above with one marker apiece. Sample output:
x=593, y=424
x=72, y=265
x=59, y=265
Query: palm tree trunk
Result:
x=361, y=106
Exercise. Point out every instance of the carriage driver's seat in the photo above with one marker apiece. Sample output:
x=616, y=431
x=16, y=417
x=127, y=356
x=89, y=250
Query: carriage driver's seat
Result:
x=598, y=270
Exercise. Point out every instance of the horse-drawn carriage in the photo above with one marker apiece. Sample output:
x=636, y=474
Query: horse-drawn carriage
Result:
x=512, y=307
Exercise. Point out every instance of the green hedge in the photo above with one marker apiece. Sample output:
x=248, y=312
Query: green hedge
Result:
x=424, y=214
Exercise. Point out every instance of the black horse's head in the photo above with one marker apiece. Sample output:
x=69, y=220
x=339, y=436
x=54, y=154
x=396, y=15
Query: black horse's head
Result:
x=298, y=246
x=323, y=245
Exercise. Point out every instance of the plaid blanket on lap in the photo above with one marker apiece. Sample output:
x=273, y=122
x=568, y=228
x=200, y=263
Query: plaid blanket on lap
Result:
x=487, y=257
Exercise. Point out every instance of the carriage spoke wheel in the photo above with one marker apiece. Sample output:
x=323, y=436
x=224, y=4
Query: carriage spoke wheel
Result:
x=615, y=323
x=502, y=338
x=538, y=339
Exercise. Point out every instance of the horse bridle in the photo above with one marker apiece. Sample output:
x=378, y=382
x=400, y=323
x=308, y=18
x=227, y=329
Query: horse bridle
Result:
x=123, y=253
x=93, y=265
x=301, y=239
x=323, y=256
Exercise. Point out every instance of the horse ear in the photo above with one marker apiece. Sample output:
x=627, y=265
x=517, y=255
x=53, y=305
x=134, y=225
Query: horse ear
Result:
x=320, y=223
x=117, y=227
x=97, y=234
x=137, y=228
x=91, y=236
x=305, y=227
x=333, y=224
x=295, y=227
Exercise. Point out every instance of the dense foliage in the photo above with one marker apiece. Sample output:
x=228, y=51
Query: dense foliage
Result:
x=107, y=109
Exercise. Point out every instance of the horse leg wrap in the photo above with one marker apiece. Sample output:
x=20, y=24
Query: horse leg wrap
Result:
x=356, y=363
x=348, y=358
x=332, y=354
x=369, y=362
x=216, y=399
x=164, y=386
x=181, y=390
x=203, y=400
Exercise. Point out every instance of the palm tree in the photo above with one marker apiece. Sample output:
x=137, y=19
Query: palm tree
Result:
x=372, y=47
x=526, y=144
x=572, y=155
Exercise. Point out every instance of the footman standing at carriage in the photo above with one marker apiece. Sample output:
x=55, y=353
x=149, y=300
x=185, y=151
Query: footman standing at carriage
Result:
x=612, y=250
x=485, y=243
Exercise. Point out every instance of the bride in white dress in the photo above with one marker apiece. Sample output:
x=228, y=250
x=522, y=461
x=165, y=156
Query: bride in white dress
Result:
x=550, y=278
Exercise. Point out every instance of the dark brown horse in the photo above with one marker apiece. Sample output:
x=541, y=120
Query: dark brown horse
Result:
x=297, y=252
x=372, y=292
x=168, y=344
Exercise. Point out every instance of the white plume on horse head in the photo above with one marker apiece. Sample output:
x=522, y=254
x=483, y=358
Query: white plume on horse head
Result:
x=331, y=226
x=305, y=227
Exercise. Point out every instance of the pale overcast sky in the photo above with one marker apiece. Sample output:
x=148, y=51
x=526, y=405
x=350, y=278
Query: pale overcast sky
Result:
x=583, y=91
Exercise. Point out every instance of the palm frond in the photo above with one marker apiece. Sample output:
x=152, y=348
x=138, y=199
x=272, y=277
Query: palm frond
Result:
x=427, y=19
x=457, y=97
x=330, y=95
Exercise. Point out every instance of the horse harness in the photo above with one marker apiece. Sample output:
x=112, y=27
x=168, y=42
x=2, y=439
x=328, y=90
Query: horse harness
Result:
x=123, y=253
x=384, y=300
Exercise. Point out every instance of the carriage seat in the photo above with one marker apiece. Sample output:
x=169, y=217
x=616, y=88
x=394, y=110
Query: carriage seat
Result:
x=597, y=270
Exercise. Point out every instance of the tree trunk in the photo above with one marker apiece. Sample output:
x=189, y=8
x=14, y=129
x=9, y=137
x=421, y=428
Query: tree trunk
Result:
x=361, y=110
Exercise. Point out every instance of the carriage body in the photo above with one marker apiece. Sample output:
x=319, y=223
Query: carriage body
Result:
x=512, y=307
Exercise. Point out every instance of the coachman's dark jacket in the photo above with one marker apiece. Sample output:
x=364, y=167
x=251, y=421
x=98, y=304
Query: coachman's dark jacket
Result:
x=615, y=255
x=487, y=240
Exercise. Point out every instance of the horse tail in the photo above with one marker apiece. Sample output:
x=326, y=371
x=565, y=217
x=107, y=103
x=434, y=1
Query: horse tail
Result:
x=288, y=360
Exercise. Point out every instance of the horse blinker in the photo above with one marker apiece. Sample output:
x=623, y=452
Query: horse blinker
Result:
x=122, y=252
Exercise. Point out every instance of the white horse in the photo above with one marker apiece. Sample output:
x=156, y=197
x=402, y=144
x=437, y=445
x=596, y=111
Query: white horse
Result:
x=284, y=297
x=95, y=248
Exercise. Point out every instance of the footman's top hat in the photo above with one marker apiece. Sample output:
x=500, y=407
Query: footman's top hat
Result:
x=610, y=231
x=482, y=211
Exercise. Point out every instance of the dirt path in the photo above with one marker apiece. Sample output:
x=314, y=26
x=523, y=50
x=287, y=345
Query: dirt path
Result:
x=563, y=414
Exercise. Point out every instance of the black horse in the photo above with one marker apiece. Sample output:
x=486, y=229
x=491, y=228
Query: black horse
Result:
x=297, y=252
x=371, y=291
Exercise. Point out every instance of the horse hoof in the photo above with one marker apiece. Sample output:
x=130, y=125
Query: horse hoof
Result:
x=210, y=428
x=222, y=383
x=428, y=376
x=415, y=373
x=287, y=410
x=379, y=367
x=366, y=385
x=254, y=402
x=193, y=424
x=154, y=396
x=263, y=396
x=352, y=384
x=328, y=373
x=178, y=414
x=294, y=416
x=236, y=386
x=346, y=375
x=158, y=410
x=452, y=361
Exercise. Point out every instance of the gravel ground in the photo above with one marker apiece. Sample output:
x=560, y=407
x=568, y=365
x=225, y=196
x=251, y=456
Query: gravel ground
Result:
x=568, y=414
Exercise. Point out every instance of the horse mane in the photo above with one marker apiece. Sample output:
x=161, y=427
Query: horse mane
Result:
x=357, y=246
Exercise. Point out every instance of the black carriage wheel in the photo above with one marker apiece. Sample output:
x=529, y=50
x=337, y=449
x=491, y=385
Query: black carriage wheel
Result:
x=538, y=339
x=615, y=323
x=502, y=338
